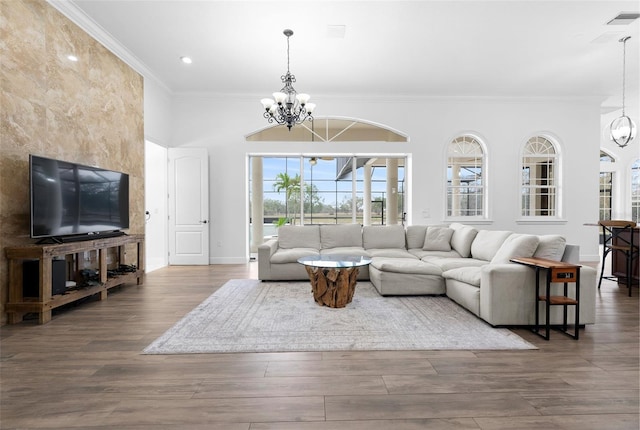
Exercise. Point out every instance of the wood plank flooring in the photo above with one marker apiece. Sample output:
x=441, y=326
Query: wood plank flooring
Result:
x=85, y=370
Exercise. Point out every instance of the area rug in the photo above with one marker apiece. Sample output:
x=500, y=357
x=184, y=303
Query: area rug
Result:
x=253, y=316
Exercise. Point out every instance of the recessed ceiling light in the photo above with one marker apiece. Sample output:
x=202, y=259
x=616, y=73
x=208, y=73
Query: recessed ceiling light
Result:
x=186, y=60
x=72, y=58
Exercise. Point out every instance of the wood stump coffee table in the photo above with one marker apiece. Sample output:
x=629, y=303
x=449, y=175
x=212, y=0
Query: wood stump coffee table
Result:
x=333, y=277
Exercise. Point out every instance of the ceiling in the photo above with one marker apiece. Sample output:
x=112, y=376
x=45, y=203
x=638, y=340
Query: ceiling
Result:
x=475, y=48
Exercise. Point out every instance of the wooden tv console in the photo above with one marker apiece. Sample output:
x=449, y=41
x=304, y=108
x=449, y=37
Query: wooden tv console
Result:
x=18, y=305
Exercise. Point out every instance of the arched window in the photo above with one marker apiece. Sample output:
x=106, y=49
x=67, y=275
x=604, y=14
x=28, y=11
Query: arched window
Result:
x=635, y=191
x=465, y=178
x=539, y=178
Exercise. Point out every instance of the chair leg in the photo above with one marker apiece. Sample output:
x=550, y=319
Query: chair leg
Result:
x=604, y=257
x=629, y=260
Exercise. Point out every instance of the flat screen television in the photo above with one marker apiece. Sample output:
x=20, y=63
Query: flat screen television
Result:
x=72, y=201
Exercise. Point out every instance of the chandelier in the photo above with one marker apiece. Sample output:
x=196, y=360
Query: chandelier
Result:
x=289, y=107
x=622, y=130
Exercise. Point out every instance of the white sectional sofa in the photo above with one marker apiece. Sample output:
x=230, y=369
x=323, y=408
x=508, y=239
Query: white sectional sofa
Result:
x=471, y=266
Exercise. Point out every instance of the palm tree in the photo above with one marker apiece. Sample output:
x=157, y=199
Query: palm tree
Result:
x=291, y=187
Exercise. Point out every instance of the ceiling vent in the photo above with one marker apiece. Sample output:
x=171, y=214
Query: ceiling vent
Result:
x=624, y=18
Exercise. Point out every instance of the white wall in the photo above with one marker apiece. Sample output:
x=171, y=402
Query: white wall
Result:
x=220, y=125
x=155, y=196
x=157, y=113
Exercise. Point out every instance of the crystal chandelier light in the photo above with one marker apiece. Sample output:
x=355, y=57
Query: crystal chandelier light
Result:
x=289, y=107
x=622, y=130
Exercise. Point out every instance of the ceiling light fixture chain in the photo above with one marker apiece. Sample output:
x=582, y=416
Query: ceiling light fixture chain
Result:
x=622, y=130
x=289, y=107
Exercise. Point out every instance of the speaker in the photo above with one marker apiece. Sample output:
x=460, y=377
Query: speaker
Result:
x=31, y=276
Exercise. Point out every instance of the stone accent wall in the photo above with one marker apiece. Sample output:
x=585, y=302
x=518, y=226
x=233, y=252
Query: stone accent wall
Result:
x=88, y=112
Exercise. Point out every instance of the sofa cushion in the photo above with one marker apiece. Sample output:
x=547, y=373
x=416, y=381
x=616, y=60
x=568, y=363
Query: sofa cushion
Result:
x=345, y=250
x=383, y=236
x=391, y=253
x=437, y=239
x=468, y=275
x=415, y=236
x=454, y=263
x=294, y=236
x=421, y=253
x=340, y=235
x=516, y=245
x=292, y=255
x=487, y=243
x=462, y=238
x=551, y=247
x=404, y=265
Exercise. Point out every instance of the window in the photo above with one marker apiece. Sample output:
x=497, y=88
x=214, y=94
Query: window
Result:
x=606, y=185
x=329, y=189
x=326, y=185
x=635, y=191
x=465, y=178
x=606, y=188
x=539, y=179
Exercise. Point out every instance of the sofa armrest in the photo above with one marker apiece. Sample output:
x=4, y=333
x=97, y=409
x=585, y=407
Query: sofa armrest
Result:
x=265, y=251
x=507, y=294
x=268, y=248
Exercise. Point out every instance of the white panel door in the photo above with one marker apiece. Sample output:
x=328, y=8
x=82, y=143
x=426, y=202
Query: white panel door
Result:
x=188, y=206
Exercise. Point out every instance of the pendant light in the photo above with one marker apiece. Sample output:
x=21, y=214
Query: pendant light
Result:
x=622, y=130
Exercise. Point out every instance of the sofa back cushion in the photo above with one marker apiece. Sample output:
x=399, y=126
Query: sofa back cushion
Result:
x=415, y=236
x=340, y=235
x=487, y=243
x=462, y=238
x=516, y=245
x=437, y=239
x=383, y=236
x=294, y=236
x=551, y=247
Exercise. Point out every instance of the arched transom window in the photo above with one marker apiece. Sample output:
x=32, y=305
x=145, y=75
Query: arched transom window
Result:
x=465, y=178
x=539, y=178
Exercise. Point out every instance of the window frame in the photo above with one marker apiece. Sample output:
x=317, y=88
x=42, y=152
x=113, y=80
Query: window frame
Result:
x=634, y=194
x=556, y=217
x=607, y=169
x=483, y=216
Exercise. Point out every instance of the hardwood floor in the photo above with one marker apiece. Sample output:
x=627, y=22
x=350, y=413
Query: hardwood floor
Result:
x=85, y=370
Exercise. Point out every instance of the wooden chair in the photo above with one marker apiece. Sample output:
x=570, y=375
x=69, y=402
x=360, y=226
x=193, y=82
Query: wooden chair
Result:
x=618, y=237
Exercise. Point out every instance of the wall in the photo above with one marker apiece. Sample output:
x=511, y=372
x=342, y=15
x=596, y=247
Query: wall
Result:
x=155, y=195
x=89, y=111
x=157, y=113
x=503, y=124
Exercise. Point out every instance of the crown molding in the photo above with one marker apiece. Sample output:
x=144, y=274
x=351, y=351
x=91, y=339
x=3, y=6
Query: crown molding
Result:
x=93, y=29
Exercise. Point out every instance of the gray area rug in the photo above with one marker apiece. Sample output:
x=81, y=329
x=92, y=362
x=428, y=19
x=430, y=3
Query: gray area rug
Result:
x=252, y=316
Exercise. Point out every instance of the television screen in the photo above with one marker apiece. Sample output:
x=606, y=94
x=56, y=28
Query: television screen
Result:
x=72, y=199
